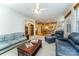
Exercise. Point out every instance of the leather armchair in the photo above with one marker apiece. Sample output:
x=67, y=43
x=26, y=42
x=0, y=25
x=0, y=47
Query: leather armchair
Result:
x=59, y=34
x=50, y=39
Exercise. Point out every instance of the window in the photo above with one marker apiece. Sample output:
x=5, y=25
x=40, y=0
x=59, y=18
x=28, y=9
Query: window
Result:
x=68, y=23
x=68, y=28
x=77, y=19
x=77, y=26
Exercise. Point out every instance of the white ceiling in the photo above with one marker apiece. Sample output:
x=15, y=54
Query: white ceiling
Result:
x=53, y=10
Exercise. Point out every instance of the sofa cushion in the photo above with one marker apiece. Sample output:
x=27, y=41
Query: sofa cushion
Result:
x=1, y=37
x=63, y=39
x=4, y=44
x=76, y=40
x=74, y=45
x=9, y=36
x=73, y=34
x=74, y=37
x=59, y=36
x=77, y=47
x=65, y=49
x=16, y=41
x=71, y=42
x=18, y=35
x=20, y=39
x=61, y=32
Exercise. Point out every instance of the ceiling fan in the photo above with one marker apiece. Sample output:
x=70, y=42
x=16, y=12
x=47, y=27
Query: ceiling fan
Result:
x=38, y=10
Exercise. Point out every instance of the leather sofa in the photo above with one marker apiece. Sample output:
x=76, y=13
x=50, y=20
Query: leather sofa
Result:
x=50, y=39
x=9, y=41
x=58, y=35
x=68, y=46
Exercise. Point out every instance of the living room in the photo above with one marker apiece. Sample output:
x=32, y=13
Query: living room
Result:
x=36, y=29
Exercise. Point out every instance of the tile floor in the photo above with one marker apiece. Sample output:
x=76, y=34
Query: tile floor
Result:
x=47, y=49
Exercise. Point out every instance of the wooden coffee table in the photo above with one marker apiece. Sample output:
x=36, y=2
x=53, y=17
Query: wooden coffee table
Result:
x=24, y=51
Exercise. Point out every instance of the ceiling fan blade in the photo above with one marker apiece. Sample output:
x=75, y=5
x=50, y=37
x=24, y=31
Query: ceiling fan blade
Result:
x=37, y=9
x=42, y=9
x=37, y=6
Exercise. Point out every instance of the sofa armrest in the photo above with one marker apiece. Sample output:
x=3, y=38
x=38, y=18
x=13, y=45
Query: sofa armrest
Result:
x=74, y=45
x=63, y=39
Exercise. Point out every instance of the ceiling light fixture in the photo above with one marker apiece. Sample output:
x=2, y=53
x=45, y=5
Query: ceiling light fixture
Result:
x=46, y=27
x=37, y=9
